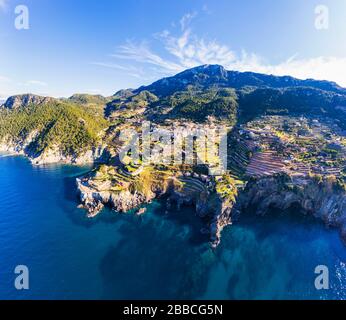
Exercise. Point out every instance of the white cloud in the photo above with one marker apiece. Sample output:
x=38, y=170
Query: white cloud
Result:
x=186, y=19
x=11, y=87
x=129, y=70
x=187, y=51
x=206, y=9
x=182, y=50
x=111, y=65
x=319, y=68
x=142, y=53
x=190, y=51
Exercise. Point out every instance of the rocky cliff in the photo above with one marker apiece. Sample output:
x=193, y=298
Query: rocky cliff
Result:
x=94, y=199
x=53, y=154
x=324, y=198
x=209, y=206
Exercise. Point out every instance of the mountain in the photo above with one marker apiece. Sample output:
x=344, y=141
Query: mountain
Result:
x=127, y=102
x=207, y=76
x=295, y=161
x=94, y=103
x=25, y=100
x=211, y=91
x=207, y=93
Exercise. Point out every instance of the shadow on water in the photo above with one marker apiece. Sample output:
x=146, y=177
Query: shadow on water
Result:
x=274, y=256
x=186, y=217
x=289, y=224
x=70, y=189
x=158, y=255
x=165, y=256
x=297, y=228
x=154, y=260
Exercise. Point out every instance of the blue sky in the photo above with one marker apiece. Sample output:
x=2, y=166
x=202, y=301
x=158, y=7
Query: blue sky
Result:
x=103, y=46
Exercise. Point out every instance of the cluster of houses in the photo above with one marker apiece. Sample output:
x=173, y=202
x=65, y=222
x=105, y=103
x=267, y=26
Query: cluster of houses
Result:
x=298, y=146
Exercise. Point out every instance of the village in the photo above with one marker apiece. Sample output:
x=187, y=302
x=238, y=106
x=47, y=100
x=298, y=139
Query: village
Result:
x=298, y=146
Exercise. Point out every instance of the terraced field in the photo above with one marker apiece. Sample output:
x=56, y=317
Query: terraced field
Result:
x=192, y=186
x=265, y=163
x=239, y=157
x=300, y=169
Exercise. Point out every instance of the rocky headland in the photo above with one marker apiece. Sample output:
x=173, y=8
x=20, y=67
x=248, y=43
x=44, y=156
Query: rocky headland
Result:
x=121, y=192
x=323, y=198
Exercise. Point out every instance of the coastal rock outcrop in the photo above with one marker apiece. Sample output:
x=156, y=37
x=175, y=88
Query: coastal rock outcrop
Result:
x=324, y=198
x=94, y=200
x=215, y=210
x=53, y=154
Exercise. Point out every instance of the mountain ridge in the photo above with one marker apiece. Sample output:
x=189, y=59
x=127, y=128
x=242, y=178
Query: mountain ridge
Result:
x=234, y=79
x=206, y=91
x=217, y=74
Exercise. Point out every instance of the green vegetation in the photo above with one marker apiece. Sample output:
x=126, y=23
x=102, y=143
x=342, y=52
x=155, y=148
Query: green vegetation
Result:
x=291, y=101
x=70, y=127
x=94, y=103
x=226, y=188
x=198, y=105
x=125, y=106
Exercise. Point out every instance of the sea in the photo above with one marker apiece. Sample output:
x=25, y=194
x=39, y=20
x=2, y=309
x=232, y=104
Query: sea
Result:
x=154, y=256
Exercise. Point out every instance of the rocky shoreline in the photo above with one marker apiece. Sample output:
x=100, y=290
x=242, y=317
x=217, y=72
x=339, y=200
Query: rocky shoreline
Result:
x=321, y=198
x=54, y=155
x=212, y=208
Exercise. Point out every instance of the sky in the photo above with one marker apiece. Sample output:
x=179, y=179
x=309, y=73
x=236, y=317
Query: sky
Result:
x=99, y=47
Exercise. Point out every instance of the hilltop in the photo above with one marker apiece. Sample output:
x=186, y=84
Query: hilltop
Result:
x=23, y=100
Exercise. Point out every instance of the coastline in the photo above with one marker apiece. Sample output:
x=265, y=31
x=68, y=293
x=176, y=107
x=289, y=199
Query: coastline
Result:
x=321, y=199
x=258, y=196
x=98, y=154
x=283, y=249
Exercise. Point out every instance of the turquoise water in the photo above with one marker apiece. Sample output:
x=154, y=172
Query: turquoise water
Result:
x=154, y=256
